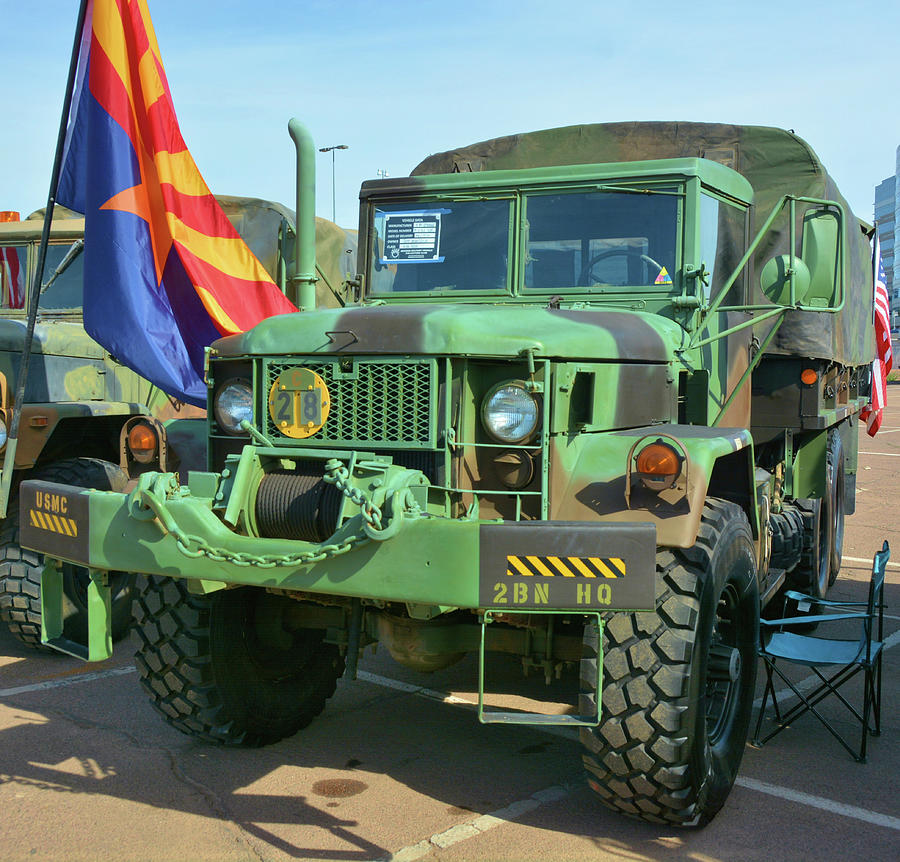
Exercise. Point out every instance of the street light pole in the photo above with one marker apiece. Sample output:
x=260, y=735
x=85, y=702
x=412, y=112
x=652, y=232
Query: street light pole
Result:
x=331, y=150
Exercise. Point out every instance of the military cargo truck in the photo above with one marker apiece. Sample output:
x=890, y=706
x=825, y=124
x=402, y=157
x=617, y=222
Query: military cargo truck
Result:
x=594, y=405
x=87, y=419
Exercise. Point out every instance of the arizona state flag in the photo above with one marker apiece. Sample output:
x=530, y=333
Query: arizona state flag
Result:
x=165, y=271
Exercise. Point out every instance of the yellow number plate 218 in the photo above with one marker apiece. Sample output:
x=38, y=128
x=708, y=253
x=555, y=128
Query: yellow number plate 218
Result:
x=299, y=402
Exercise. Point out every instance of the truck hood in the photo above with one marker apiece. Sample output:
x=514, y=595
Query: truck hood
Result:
x=51, y=338
x=464, y=330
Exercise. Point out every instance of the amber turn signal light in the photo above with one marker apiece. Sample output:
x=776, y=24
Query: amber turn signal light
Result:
x=809, y=376
x=658, y=465
x=142, y=443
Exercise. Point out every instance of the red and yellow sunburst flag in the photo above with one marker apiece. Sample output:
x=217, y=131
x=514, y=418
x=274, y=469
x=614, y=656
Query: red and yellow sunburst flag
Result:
x=165, y=271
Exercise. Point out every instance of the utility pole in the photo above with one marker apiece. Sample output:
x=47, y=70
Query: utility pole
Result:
x=331, y=150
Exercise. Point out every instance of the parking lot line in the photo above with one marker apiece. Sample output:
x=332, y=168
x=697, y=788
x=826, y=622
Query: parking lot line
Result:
x=865, y=560
x=829, y=805
x=71, y=680
x=472, y=828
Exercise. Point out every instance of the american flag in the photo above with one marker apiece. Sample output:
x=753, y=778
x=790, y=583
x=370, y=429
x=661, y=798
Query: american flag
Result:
x=871, y=414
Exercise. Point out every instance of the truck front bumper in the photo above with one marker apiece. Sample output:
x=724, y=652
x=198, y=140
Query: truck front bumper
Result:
x=426, y=560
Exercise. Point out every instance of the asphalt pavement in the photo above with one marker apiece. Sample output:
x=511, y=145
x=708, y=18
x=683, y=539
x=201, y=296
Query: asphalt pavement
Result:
x=398, y=767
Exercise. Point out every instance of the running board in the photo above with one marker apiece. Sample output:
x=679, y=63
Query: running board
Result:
x=590, y=677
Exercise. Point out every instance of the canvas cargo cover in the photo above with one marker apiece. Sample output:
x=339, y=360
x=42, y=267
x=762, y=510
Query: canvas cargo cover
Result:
x=259, y=221
x=775, y=162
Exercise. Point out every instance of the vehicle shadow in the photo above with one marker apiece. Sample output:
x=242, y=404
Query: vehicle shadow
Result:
x=383, y=768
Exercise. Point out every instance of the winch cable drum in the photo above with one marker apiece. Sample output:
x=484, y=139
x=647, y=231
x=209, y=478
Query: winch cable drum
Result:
x=297, y=504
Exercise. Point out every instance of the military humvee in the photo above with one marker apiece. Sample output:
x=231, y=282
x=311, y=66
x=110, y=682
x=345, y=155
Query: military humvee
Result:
x=87, y=420
x=594, y=405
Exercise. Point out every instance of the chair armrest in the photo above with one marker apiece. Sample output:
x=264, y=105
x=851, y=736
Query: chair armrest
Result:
x=803, y=597
x=812, y=618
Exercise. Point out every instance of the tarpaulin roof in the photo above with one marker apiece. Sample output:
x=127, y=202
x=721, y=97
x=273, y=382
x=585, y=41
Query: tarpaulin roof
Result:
x=775, y=162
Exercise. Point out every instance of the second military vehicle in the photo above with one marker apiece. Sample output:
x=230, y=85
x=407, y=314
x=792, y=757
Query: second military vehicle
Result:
x=87, y=419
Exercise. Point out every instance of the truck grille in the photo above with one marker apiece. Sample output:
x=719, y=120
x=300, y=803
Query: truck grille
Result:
x=374, y=403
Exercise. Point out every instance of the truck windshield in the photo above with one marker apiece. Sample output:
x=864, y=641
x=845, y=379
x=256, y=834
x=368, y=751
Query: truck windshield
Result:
x=581, y=239
x=441, y=246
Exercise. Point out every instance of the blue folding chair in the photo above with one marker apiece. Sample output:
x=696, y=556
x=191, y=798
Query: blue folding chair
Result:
x=851, y=657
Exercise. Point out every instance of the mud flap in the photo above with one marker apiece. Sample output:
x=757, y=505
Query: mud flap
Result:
x=561, y=565
x=554, y=567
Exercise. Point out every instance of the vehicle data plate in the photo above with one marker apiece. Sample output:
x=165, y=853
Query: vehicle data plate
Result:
x=412, y=237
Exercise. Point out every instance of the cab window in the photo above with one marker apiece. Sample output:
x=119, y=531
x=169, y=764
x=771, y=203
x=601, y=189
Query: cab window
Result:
x=66, y=292
x=13, y=275
x=444, y=246
x=601, y=239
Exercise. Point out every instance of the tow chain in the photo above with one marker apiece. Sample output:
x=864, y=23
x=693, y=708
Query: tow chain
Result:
x=338, y=475
x=194, y=546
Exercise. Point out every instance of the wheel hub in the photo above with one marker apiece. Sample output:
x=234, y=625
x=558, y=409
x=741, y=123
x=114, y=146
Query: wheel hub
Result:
x=724, y=663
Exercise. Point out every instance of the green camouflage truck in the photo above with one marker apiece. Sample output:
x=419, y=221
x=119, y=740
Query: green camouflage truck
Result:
x=87, y=419
x=594, y=404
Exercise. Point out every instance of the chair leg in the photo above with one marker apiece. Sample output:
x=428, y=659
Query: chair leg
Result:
x=876, y=691
x=867, y=703
x=769, y=688
x=806, y=704
x=830, y=685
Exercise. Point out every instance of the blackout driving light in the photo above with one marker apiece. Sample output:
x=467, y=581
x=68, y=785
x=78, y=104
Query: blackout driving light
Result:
x=232, y=405
x=142, y=442
x=658, y=466
x=510, y=413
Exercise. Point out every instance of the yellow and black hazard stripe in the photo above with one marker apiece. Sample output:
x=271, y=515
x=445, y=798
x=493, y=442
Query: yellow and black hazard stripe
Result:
x=54, y=523
x=565, y=567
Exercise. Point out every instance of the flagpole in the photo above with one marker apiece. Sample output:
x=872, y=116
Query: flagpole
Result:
x=9, y=458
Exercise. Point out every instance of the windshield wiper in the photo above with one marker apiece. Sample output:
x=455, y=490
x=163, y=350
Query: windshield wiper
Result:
x=630, y=190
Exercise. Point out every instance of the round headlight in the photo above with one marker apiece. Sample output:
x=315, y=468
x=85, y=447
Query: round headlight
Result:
x=233, y=404
x=510, y=413
x=3, y=434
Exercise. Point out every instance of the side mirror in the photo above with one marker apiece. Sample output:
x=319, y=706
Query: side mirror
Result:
x=821, y=249
x=775, y=280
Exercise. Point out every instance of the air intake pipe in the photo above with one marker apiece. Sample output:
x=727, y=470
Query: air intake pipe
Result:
x=304, y=279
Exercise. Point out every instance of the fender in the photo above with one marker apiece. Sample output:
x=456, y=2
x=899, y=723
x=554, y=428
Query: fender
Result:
x=39, y=423
x=590, y=476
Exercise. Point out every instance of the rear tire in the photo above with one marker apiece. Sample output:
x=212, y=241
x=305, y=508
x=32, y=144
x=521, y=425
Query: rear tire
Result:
x=813, y=575
x=836, y=491
x=823, y=527
x=20, y=568
x=219, y=667
x=678, y=683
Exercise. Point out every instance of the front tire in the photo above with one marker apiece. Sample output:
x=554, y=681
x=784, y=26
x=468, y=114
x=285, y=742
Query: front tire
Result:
x=678, y=683
x=221, y=667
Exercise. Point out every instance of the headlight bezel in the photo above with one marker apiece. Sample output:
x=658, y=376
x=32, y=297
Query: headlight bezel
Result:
x=526, y=432
x=226, y=421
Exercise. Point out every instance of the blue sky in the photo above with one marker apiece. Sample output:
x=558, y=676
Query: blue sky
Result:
x=395, y=81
